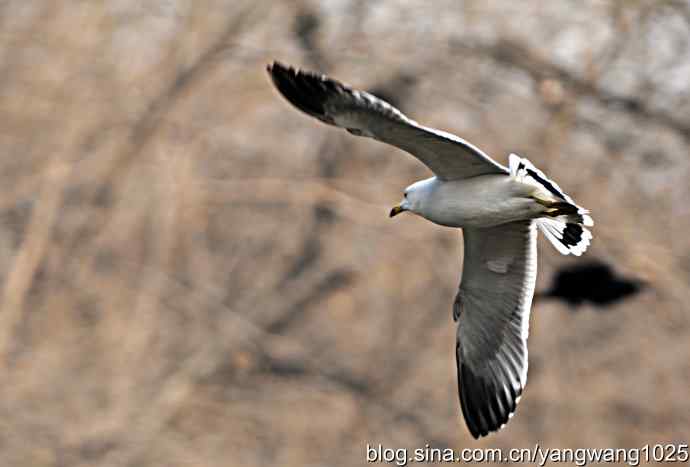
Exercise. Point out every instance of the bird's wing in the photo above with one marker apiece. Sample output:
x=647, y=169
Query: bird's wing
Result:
x=492, y=308
x=362, y=114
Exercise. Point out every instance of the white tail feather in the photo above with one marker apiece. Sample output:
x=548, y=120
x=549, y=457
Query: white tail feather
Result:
x=567, y=237
x=566, y=232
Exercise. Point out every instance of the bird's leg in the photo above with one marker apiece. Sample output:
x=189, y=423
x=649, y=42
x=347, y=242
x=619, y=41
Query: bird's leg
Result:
x=555, y=208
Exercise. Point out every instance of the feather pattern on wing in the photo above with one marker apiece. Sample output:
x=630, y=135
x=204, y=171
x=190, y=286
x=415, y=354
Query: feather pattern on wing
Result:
x=492, y=308
x=448, y=156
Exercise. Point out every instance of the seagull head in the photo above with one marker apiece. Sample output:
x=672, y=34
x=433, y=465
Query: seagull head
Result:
x=412, y=198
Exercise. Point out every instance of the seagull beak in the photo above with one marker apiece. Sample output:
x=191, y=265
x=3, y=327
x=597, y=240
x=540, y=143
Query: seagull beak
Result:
x=396, y=210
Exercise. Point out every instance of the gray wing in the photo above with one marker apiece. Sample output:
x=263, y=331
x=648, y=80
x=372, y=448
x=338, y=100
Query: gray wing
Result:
x=362, y=114
x=492, y=308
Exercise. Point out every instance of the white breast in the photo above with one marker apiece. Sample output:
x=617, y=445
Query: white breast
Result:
x=482, y=201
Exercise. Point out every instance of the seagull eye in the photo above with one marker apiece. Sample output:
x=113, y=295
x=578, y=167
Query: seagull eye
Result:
x=405, y=195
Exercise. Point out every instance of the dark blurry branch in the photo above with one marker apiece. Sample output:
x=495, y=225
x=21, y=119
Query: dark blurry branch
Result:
x=311, y=367
x=614, y=49
x=333, y=282
x=332, y=373
x=514, y=54
x=359, y=386
x=145, y=128
x=299, y=189
x=30, y=255
x=209, y=357
x=323, y=216
x=306, y=27
x=310, y=252
x=397, y=88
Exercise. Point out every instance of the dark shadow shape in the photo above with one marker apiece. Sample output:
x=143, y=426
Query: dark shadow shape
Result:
x=306, y=28
x=396, y=90
x=593, y=282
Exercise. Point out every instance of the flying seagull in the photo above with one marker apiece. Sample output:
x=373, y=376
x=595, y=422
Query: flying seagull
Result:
x=498, y=209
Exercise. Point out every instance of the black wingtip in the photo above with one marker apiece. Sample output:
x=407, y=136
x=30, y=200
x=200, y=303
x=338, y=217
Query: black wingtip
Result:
x=306, y=90
x=486, y=407
x=275, y=67
x=281, y=74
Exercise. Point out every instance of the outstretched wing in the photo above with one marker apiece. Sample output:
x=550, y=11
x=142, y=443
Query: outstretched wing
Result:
x=362, y=114
x=492, y=308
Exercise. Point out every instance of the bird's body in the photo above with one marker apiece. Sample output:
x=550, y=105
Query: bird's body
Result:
x=498, y=209
x=482, y=201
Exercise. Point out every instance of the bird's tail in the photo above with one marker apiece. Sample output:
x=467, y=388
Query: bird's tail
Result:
x=564, y=221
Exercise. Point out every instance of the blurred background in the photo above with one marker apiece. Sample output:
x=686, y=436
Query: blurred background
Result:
x=195, y=274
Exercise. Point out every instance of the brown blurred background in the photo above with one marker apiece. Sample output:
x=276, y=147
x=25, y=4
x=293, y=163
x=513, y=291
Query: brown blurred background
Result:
x=195, y=274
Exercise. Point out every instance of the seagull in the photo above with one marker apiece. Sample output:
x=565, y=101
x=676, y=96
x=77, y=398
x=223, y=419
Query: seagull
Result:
x=498, y=209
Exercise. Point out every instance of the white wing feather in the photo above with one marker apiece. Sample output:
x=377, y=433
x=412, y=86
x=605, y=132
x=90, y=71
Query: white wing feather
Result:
x=492, y=308
x=360, y=113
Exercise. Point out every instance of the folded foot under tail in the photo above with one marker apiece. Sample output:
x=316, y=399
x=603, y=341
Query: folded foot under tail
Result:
x=565, y=222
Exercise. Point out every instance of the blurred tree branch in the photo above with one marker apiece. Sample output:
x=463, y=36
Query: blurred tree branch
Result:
x=511, y=53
